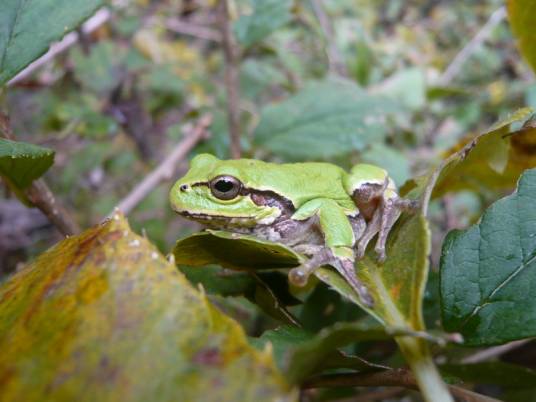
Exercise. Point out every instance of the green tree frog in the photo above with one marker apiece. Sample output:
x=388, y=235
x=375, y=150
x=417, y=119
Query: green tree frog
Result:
x=317, y=209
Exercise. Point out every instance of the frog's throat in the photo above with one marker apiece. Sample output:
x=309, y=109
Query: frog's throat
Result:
x=221, y=221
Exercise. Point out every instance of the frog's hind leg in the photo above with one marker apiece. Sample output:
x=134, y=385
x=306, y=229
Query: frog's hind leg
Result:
x=391, y=208
x=389, y=215
x=338, y=231
x=300, y=275
x=344, y=266
x=347, y=269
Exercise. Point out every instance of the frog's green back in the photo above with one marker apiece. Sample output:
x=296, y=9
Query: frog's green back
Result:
x=298, y=182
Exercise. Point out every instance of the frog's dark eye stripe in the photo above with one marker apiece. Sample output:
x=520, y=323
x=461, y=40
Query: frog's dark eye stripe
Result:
x=225, y=187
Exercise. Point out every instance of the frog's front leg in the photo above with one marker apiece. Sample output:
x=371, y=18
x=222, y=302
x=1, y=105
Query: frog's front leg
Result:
x=385, y=205
x=339, y=238
x=374, y=193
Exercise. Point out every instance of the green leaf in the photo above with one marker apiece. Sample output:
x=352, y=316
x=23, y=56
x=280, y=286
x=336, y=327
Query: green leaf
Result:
x=321, y=352
x=408, y=86
x=28, y=27
x=22, y=163
x=493, y=160
x=230, y=250
x=487, y=271
x=324, y=307
x=283, y=340
x=102, y=69
x=215, y=281
x=234, y=251
x=495, y=373
x=520, y=14
x=301, y=354
x=323, y=120
x=104, y=316
x=256, y=76
x=267, y=16
x=389, y=158
x=269, y=290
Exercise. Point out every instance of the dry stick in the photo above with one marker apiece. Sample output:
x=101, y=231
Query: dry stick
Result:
x=165, y=170
x=197, y=31
x=455, y=66
x=42, y=197
x=335, y=59
x=388, y=378
x=232, y=58
x=493, y=352
x=463, y=55
x=98, y=19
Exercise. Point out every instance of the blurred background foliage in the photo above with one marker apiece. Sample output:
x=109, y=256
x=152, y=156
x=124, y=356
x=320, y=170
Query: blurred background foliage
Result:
x=113, y=106
x=344, y=81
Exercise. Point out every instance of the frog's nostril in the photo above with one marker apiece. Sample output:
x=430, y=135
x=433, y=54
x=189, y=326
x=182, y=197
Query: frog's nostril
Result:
x=184, y=187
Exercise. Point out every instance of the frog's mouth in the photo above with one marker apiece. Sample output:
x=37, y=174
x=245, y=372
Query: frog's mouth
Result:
x=218, y=221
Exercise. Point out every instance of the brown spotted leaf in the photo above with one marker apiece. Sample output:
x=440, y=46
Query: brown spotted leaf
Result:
x=104, y=317
x=492, y=160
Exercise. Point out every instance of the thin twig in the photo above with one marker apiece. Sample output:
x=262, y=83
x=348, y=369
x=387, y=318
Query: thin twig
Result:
x=42, y=197
x=387, y=378
x=335, y=58
x=493, y=352
x=467, y=51
x=232, y=59
x=166, y=169
x=197, y=31
x=98, y=19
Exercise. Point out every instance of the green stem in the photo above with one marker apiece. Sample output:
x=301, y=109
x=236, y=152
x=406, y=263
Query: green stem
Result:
x=419, y=358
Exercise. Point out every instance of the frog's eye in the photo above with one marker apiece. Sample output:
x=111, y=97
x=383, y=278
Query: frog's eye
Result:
x=225, y=187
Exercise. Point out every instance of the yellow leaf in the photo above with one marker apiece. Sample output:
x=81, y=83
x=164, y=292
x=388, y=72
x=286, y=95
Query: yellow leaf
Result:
x=103, y=316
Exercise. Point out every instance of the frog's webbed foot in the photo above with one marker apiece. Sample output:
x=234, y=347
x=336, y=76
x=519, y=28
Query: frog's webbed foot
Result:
x=347, y=269
x=390, y=210
x=299, y=276
x=345, y=266
x=381, y=223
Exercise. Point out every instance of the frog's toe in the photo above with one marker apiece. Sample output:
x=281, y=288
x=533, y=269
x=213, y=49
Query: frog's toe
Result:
x=360, y=253
x=380, y=252
x=382, y=258
x=298, y=276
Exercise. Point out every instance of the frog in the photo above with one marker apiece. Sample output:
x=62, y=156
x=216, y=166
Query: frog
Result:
x=317, y=209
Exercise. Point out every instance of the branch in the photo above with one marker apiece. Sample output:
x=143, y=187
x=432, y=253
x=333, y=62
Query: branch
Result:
x=335, y=58
x=467, y=51
x=166, y=169
x=42, y=197
x=387, y=378
x=493, y=352
x=197, y=31
x=232, y=59
x=98, y=19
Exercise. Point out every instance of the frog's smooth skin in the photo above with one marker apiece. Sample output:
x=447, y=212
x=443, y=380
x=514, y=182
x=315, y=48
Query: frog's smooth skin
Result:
x=318, y=209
